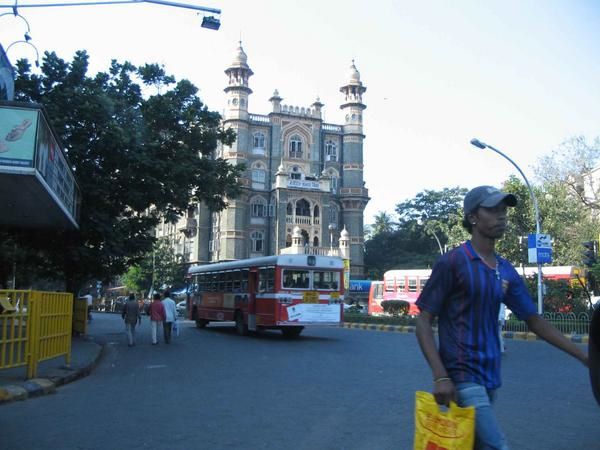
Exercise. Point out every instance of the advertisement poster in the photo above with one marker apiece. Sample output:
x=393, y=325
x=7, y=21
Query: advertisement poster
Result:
x=52, y=165
x=317, y=313
x=17, y=136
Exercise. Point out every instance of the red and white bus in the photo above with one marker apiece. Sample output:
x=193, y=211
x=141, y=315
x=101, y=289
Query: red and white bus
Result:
x=400, y=284
x=407, y=284
x=285, y=292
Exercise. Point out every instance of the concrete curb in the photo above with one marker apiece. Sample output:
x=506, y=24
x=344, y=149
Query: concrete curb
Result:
x=517, y=335
x=36, y=387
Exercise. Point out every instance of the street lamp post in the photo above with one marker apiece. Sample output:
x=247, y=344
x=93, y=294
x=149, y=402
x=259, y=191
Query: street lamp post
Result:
x=482, y=145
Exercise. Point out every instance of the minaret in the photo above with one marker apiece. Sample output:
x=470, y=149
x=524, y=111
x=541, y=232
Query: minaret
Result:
x=237, y=90
x=353, y=194
x=232, y=230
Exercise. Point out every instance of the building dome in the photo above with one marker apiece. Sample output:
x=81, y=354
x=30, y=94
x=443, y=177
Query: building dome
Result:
x=353, y=74
x=240, y=59
x=344, y=234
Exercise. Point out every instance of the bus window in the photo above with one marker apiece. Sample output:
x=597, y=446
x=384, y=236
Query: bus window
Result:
x=326, y=280
x=266, y=279
x=412, y=285
x=245, y=275
x=295, y=279
x=422, y=283
x=401, y=285
x=378, y=291
x=389, y=285
x=236, y=281
x=228, y=278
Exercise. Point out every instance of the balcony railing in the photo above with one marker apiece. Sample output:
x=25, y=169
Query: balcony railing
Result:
x=302, y=220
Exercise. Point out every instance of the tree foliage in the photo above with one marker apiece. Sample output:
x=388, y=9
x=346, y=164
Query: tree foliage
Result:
x=137, y=159
x=573, y=164
x=420, y=235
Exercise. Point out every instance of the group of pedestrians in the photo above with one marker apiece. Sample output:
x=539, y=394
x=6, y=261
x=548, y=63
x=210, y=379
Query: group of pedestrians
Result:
x=161, y=312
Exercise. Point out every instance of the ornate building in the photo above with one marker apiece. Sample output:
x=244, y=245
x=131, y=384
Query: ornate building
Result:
x=300, y=172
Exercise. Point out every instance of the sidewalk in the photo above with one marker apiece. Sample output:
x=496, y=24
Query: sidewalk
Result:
x=519, y=335
x=52, y=373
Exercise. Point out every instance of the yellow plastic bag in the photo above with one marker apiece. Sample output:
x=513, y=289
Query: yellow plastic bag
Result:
x=453, y=429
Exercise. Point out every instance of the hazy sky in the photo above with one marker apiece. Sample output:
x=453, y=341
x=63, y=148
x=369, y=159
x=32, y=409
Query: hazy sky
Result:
x=519, y=75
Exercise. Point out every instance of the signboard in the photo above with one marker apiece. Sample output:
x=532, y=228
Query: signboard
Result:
x=360, y=286
x=346, y=274
x=37, y=183
x=539, y=248
x=17, y=136
x=303, y=184
x=52, y=165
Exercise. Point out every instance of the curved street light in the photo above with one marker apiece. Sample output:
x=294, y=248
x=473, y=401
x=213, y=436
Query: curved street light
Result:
x=482, y=145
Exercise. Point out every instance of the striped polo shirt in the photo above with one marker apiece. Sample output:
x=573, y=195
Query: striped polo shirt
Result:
x=465, y=294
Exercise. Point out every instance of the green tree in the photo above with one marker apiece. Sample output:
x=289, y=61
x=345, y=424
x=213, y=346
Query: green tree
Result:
x=573, y=164
x=137, y=160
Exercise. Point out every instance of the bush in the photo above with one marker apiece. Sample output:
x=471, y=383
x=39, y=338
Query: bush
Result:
x=395, y=307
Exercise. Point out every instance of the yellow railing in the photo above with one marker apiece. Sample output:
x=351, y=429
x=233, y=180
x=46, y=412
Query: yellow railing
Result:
x=35, y=326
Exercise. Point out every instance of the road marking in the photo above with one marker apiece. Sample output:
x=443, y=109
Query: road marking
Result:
x=156, y=366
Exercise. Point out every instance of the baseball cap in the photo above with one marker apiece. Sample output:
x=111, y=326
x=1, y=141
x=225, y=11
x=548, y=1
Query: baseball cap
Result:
x=488, y=197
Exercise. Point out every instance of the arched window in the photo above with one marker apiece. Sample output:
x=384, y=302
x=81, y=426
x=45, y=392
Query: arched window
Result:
x=316, y=212
x=296, y=173
x=288, y=240
x=330, y=151
x=333, y=214
x=302, y=208
x=333, y=175
x=259, y=174
x=259, y=140
x=258, y=207
x=257, y=241
x=290, y=210
x=315, y=241
x=295, y=147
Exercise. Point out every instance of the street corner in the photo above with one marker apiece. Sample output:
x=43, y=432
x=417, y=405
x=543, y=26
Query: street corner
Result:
x=39, y=386
x=10, y=393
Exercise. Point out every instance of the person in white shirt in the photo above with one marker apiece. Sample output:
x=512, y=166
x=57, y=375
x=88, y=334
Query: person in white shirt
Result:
x=171, y=313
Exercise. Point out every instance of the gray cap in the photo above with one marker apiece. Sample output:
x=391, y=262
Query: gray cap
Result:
x=488, y=197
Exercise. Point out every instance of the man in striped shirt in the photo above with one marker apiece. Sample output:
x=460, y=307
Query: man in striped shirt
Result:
x=464, y=292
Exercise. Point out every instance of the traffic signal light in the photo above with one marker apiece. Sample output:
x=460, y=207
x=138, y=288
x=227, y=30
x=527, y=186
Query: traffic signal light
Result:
x=590, y=254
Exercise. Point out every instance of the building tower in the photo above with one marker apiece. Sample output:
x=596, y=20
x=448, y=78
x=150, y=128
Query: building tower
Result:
x=353, y=194
x=228, y=238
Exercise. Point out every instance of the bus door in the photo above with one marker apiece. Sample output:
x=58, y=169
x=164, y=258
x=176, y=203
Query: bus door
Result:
x=252, y=289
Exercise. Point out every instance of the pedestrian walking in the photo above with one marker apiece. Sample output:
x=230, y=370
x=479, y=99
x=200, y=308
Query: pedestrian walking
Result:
x=131, y=315
x=157, y=316
x=464, y=292
x=170, y=314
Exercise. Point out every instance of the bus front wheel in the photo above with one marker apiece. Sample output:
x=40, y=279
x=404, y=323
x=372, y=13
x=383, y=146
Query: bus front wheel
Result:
x=240, y=327
x=201, y=323
x=291, y=332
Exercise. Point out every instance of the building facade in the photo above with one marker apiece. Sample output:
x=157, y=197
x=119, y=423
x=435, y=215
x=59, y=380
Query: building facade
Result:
x=302, y=175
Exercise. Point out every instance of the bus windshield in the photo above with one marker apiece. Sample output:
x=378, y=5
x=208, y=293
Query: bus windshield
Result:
x=326, y=280
x=295, y=279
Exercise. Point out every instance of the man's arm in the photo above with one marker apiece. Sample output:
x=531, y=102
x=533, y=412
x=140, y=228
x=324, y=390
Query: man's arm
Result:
x=550, y=334
x=443, y=387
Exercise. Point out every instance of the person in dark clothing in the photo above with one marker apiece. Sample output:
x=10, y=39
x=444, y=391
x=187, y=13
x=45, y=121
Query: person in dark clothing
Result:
x=131, y=315
x=465, y=290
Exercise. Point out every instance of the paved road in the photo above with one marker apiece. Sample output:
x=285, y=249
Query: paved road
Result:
x=330, y=389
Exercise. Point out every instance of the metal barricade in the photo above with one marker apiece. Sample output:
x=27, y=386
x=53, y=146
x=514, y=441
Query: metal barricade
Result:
x=36, y=329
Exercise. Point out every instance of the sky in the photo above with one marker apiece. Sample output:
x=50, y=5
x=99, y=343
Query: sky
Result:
x=520, y=75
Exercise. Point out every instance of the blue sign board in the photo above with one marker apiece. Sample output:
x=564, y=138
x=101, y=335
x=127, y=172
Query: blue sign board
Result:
x=539, y=248
x=360, y=286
